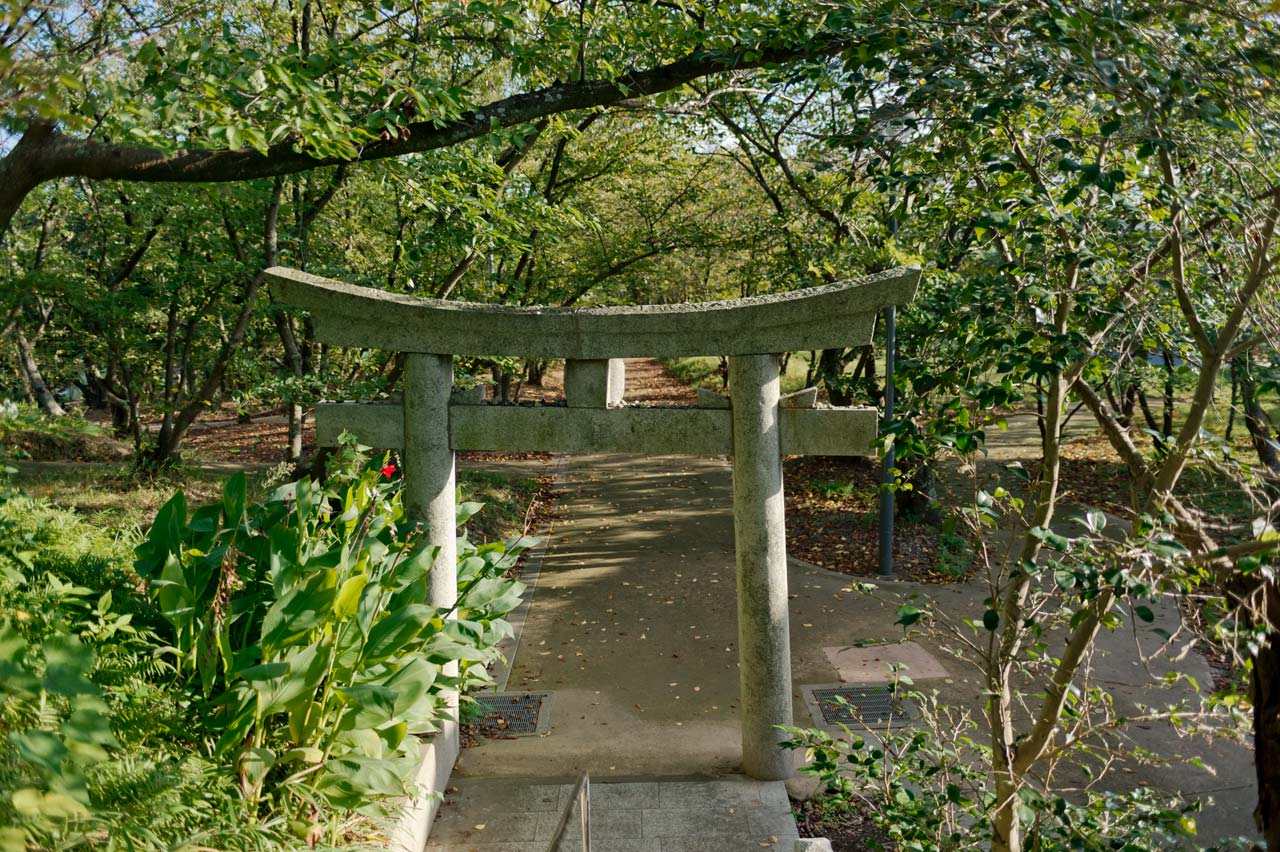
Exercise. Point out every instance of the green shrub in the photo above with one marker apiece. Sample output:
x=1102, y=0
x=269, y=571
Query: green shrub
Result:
x=955, y=556
x=93, y=750
x=26, y=432
x=305, y=631
x=925, y=787
x=264, y=672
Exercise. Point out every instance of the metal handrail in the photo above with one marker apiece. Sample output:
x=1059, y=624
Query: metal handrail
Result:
x=582, y=796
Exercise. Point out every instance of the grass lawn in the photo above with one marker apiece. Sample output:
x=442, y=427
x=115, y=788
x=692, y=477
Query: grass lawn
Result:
x=110, y=496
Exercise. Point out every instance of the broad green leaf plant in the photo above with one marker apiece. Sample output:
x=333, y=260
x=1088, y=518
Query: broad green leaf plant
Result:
x=305, y=629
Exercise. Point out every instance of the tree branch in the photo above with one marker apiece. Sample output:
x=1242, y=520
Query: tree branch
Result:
x=44, y=153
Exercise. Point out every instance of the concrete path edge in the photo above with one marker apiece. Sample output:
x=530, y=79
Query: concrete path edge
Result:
x=439, y=754
x=529, y=575
x=412, y=828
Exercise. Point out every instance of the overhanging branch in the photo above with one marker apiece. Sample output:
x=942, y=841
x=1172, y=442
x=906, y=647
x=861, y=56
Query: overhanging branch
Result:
x=65, y=156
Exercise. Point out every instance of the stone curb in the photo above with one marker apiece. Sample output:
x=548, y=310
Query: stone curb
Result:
x=529, y=576
x=412, y=826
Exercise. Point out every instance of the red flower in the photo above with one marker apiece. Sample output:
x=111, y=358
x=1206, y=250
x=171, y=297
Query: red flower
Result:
x=387, y=470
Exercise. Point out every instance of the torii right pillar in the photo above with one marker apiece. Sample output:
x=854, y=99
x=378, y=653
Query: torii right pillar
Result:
x=759, y=531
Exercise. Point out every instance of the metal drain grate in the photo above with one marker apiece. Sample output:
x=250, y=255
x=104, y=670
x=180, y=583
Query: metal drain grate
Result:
x=511, y=713
x=868, y=705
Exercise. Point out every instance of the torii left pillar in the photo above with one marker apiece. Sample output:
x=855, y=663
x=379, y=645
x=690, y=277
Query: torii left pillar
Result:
x=430, y=483
x=430, y=498
x=759, y=527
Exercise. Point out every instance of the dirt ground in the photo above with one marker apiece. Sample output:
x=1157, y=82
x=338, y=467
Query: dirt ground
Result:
x=218, y=437
x=832, y=503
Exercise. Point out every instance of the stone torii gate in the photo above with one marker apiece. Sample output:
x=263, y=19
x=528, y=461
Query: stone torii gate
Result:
x=757, y=426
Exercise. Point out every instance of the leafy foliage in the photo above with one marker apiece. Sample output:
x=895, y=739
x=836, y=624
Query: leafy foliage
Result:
x=307, y=625
x=923, y=786
x=276, y=676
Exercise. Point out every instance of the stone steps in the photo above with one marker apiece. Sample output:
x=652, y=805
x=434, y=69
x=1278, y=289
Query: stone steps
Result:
x=521, y=815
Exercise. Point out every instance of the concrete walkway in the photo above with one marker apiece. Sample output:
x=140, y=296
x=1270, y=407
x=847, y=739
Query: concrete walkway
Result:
x=633, y=627
x=632, y=631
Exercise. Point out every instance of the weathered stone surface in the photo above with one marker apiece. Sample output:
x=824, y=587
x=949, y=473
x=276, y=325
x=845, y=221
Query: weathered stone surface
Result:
x=597, y=383
x=377, y=424
x=467, y=396
x=439, y=754
x=430, y=488
x=617, y=381
x=708, y=398
x=812, y=844
x=622, y=824
x=807, y=398
x=759, y=534
x=874, y=663
x=803, y=786
x=828, y=431
x=662, y=431
x=840, y=314
x=430, y=499
x=651, y=431
x=486, y=814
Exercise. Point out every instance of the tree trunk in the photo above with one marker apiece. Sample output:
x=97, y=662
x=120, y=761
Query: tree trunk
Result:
x=31, y=372
x=1266, y=724
x=1006, y=823
x=297, y=423
x=1236, y=364
x=175, y=425
x=831, y=364
x=537, y=370
x=1040, y=409
x=501, y=384
x=811, y=374
x=1129, y=401
x=293, y=357
x=105, y=392
x=869, y=376
x=1258, y=422
x=1157, y=436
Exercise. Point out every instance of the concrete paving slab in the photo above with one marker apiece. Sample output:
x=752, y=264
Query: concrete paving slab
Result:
x=488, y=827
x=634, y=628
x=763, y=826
x=530, y=846
x=718, y=844
x=606, y=824
x=620, y=796
x=694, y=822
x=875, y=663
x=716, y=794
x=613, y=845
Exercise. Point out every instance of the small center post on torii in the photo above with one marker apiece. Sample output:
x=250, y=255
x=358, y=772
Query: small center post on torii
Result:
x=756, y=425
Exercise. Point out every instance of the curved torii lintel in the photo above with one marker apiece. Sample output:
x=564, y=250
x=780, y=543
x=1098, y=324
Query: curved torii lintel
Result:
x=833, y=315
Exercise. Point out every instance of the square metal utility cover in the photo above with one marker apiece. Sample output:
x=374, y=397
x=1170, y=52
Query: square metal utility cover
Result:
x=512, y=714
x=863, y=705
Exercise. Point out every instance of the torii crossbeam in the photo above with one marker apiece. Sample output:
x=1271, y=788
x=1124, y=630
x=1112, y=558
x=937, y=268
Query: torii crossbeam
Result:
x=756, y=425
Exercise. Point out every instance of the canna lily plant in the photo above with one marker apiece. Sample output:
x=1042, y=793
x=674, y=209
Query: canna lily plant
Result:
x=303, y=627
